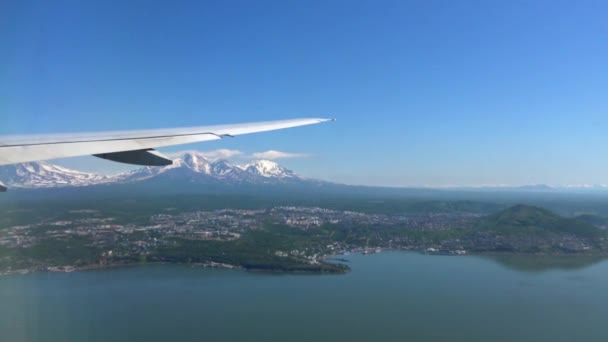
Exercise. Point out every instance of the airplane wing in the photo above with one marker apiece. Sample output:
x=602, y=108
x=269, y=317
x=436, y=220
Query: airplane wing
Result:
x=132, y=147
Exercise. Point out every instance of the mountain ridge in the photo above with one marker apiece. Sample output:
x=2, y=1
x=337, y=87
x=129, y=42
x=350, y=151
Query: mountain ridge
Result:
x=191, y=166
x=46, y=175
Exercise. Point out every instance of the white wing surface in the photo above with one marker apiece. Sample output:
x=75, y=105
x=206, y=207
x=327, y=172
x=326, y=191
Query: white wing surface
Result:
x=133, y=147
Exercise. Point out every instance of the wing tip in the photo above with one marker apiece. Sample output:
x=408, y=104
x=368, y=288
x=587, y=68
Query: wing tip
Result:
x=327, y=120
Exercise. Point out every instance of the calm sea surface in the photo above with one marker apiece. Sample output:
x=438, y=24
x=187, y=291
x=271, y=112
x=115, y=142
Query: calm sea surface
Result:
x=393, y=296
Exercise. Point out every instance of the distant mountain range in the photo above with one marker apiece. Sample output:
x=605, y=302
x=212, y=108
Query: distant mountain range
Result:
x=190, y=167
x=537, y=188
x=193, y=168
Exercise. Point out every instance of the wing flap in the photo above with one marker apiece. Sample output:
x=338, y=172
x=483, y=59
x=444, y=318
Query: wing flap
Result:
x=139, y=157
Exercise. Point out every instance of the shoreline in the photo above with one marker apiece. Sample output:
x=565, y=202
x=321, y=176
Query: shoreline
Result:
x=332, y=259
x=210, y=264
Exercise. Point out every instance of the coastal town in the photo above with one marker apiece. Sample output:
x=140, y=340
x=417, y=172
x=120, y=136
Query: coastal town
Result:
x=119, y=241
x=274, y=237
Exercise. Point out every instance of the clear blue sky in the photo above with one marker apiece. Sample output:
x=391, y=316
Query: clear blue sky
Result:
x=425, y=92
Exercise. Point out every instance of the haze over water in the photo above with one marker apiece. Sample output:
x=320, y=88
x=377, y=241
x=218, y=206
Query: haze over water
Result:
x=388, y=296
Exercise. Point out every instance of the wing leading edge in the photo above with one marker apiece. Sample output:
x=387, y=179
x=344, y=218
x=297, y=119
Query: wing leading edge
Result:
x=127, y=146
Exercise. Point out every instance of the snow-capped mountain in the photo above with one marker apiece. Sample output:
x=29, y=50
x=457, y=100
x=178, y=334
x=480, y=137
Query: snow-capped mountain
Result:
x=194, y=167
x=268, y=169
x=45, y=175
x=191, y=167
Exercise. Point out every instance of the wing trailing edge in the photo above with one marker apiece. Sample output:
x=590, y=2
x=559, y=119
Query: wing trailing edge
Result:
x=147, y=157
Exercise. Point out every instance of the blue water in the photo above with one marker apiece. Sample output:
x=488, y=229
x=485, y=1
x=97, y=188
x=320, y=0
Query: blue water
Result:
x=393, y=296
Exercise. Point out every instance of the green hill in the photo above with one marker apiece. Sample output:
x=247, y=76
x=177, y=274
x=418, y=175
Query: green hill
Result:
x=596, y=220
x=528, y=229
x=535, y=221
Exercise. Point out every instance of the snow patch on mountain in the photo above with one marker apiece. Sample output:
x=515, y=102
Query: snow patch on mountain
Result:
x=45, y=175
x=267, y=168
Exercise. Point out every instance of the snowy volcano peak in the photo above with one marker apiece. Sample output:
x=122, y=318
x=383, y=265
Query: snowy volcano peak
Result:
x=267, y=168
x=194, y=161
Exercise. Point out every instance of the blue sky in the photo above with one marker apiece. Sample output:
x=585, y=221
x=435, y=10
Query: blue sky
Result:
x=425, y=92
